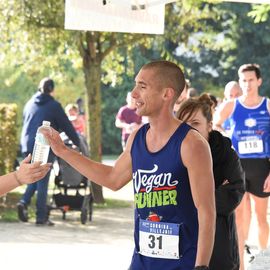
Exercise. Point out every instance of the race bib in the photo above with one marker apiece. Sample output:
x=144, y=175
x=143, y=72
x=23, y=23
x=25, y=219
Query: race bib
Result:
x=250, y=146
x=159, y=239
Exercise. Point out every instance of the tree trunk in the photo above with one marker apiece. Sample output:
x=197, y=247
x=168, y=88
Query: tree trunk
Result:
x=92, y=73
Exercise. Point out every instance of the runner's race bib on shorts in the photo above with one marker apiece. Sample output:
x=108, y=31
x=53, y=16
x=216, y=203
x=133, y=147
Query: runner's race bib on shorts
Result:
x=159, y=239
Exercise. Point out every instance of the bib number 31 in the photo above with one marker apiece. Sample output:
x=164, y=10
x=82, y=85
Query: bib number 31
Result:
x=159, y=239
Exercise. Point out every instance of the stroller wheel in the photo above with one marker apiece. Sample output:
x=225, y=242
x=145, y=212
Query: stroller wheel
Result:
x=91, y=202
x=83, y=216
x=90, y=215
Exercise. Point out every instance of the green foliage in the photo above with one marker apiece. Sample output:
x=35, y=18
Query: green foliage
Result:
x=19, y=86
x=69, y=89
x=211, y=59
x=34, y=41
x=252, y=43
x=260, y=13
x=16, y=87
x=8, y=139
x=113, y=98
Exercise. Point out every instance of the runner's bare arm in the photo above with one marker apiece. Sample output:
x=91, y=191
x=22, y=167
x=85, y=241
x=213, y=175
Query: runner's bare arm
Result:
x=197, y=158
x=266, y=186
x=268, y=105
x=222, y=114
x=113, y=177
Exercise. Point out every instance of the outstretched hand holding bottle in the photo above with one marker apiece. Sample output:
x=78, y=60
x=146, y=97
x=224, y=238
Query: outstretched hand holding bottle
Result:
x=31, y=172
x=26, y=174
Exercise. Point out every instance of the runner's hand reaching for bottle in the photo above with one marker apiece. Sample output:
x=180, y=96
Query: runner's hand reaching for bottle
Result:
x=55, y=141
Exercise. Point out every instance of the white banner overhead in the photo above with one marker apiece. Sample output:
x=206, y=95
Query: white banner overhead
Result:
x=131, y=16
x=250, y=1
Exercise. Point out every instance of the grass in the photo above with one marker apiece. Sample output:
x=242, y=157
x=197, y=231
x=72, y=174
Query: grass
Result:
x=8, y=206
x=113, y=203
x=110, y=157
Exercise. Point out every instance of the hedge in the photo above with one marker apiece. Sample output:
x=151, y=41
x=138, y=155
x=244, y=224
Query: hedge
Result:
x=8, y=137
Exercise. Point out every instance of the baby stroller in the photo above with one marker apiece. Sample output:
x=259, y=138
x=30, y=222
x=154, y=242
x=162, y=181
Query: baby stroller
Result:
x=72, y=191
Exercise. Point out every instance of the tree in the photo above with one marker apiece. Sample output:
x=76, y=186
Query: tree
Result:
x=43, y=26
x=40, y=25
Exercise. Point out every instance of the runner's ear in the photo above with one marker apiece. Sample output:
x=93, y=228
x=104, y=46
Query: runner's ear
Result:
x=168, y=93
x=260, y=82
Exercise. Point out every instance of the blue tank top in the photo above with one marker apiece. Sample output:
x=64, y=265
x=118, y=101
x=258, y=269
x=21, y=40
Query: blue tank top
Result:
x=227, y=126
x=251, y=130
x=166, y=221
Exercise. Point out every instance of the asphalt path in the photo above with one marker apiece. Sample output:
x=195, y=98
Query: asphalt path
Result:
x=104, y=243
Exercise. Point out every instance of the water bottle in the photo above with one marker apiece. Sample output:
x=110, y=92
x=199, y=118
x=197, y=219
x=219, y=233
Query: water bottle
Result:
x=41, y=147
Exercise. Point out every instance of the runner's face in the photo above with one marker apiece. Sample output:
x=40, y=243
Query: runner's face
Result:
x=199, y=122
x=147, y=93
x=233, y=93
x=249, y=82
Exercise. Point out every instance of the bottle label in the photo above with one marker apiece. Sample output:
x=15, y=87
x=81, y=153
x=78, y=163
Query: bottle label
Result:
x=41, y=139
x=41, y=148
x=40, y=153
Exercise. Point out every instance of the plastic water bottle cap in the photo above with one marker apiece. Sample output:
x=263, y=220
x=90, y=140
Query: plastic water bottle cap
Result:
x=46, y=123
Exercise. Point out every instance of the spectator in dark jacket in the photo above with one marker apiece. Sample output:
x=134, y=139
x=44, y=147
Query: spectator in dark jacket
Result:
x=229, y=181
x=42, y=106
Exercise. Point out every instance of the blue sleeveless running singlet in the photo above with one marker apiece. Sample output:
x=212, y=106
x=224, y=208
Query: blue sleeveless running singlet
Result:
x=227, y=126
x=251, y=131
x=166, y=221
